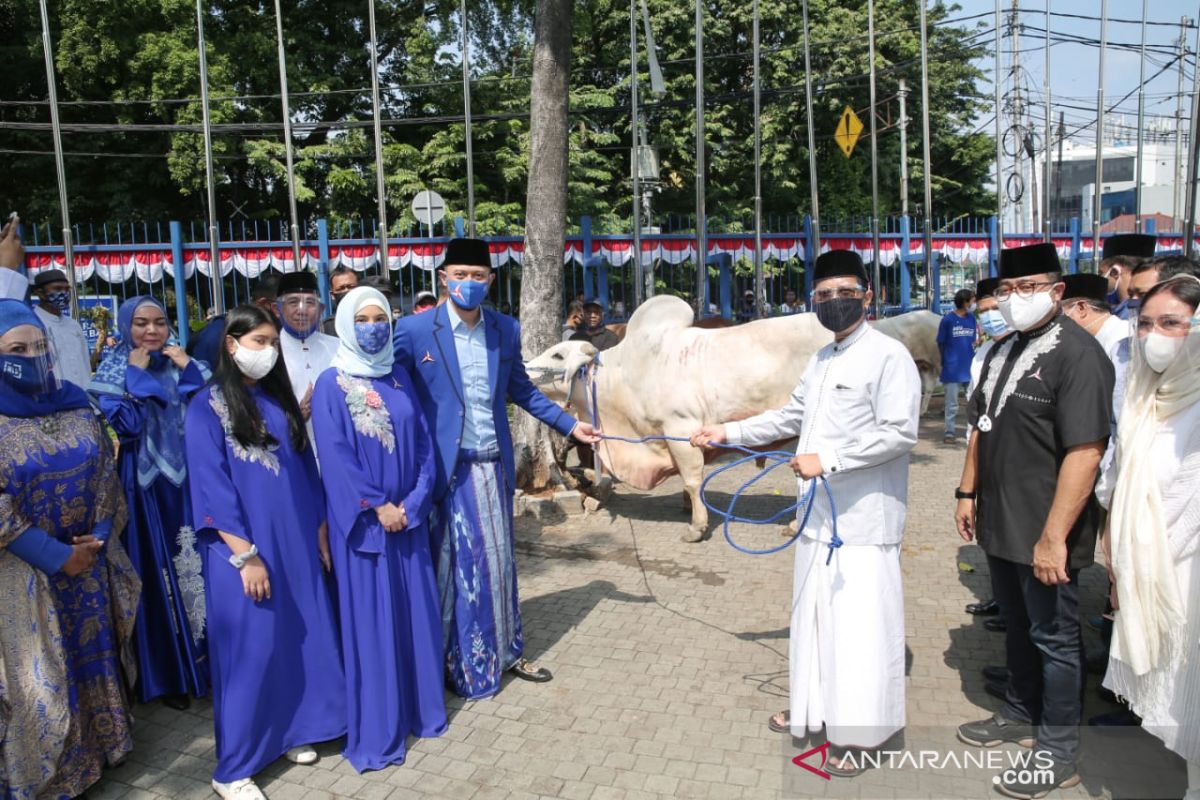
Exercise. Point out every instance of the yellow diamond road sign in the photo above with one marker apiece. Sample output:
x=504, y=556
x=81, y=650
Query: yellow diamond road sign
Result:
x=848, y=130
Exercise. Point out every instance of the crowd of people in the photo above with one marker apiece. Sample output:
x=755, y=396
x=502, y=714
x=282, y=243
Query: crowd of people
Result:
x=1083, y=404
x=312, y=523
x=206, y=552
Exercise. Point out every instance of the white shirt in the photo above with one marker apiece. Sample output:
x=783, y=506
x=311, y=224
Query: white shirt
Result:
x=856, y=407
x=13, y=284
x=307, y=359
x=71, y=362
x=977, y=365
x=1111, y=333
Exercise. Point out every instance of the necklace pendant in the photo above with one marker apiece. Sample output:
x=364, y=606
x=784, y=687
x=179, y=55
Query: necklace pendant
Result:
x=985, y=424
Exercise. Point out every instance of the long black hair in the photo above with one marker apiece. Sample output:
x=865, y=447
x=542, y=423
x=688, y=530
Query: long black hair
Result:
x=244, y=416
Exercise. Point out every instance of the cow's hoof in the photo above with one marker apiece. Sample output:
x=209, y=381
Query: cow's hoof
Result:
x=692, y=535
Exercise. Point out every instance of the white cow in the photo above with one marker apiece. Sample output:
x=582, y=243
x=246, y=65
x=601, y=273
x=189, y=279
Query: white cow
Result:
x=669, y=378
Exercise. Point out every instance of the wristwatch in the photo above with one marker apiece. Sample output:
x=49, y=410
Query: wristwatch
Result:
x=959, y=494
x=239, y=560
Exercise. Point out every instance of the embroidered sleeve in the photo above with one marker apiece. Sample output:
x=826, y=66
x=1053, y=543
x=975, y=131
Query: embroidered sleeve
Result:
x=110, y=497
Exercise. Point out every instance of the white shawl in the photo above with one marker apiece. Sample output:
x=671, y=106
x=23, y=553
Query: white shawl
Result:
x=1150, y=618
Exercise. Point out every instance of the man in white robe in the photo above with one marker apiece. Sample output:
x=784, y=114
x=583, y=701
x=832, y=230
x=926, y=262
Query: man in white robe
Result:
x=855, y=411
x=306, y=351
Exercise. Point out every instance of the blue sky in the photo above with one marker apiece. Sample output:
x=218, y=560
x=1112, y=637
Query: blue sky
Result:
x=1074, y=68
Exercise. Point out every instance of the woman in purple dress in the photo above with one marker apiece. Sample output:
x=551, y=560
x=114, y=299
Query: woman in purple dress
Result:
x=378, y=473
x=142, y=387
x=260, y=521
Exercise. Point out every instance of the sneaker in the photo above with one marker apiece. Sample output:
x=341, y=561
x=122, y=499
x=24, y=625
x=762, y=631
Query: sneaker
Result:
x=994, y=731
x=301, y=755
x=1038, y=781
x=949, y=438
x=245, y=789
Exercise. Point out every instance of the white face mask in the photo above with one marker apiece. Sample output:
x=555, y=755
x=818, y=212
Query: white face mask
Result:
x=1022, y=313
x=1159, y=351
x=255, y=364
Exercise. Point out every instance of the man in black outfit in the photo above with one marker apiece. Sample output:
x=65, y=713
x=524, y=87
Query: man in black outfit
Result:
x=592, y=329
x=1041, y=417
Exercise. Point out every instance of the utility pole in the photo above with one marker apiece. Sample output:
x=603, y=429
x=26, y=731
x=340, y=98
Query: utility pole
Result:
x=287, y=142
x=466, y=81
x=760, y=285
x=875, y=278
x=812, y=138
x=927, y=172
x=1189, y=227
x=903, y=93
x=216, y=284
x=1047, y=222
x=1018, y=111
x=701, y=173
x=1062, y=134
x=1141, y=123
x=1099, y=138
x=59, y=168
x=999, y=82
x=635, y=161
x=1176, y=195
x=377, y=124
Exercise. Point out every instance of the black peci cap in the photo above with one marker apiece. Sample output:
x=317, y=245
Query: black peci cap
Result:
x=302, y=282
x=1033, y=259
x=467, y=253
x=838, y=263
x=986, y=287
x=1083, y=284
x=1139, y=245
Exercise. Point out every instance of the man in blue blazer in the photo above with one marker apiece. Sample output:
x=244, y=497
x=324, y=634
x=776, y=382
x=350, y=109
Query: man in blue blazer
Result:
x=466, y=364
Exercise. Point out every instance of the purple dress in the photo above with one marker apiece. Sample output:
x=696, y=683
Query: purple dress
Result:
x=375, y=448
x=276, y=666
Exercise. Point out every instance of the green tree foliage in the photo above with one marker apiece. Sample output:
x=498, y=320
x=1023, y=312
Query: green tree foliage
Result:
x=133, y=63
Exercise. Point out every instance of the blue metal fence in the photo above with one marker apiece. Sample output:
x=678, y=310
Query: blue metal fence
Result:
x=151, y=257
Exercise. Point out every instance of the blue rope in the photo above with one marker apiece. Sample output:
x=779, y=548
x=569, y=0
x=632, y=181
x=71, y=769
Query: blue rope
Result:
x=778, y=457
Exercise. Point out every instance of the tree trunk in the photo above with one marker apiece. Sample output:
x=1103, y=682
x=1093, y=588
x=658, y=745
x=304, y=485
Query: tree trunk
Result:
x=545, y=224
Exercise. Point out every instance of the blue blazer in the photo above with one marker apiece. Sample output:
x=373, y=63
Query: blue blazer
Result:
x=424, y=344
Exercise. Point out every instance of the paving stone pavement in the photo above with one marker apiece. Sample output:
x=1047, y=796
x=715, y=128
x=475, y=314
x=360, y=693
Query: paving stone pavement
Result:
x=668, y=658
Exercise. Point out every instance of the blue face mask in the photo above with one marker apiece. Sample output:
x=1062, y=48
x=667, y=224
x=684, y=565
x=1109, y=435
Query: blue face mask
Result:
x=26, y=374
x=467, y=294
x=1132, y=305
x=60, y=300
x=993, y=323
x=372, y=336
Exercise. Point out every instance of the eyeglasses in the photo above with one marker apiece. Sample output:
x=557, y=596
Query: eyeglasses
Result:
x=1170, y=324
x=1022, y=289
x=844, y=293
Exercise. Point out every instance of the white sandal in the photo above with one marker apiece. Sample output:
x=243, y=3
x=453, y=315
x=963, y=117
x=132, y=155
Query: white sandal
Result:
x=304, y=754
x=245, y=789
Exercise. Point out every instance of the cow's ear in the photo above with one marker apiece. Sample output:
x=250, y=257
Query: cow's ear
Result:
x=588, y=349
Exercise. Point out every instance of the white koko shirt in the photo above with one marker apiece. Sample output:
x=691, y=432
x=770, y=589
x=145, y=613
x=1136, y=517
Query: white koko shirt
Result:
x=856, y=407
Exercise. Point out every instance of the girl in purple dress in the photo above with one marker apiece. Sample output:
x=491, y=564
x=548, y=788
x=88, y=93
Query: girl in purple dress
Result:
x=378, y=472
x=260, y=521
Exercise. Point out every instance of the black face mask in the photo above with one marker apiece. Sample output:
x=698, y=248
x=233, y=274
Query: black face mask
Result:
x=337, y=298
x=839, y=314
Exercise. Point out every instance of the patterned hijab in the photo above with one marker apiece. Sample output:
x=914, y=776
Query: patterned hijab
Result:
x=161, y=451
x=350, y=357
x=63, y=396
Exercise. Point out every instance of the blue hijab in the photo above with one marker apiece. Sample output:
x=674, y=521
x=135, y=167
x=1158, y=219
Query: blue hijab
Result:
x=62, y=396
x=161, y=451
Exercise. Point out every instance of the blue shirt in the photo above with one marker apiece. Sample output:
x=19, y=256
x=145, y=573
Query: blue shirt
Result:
x=470, y=344
x=956, y=341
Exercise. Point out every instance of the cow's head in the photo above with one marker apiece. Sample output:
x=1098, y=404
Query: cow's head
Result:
x=555, y=371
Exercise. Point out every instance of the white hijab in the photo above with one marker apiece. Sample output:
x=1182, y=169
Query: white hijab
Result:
x=350, y=357
x=1150, y=619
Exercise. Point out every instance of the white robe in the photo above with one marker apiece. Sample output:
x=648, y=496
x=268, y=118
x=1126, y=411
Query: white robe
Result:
x=305, y=361
x=1167, y=698
x=856, y=406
